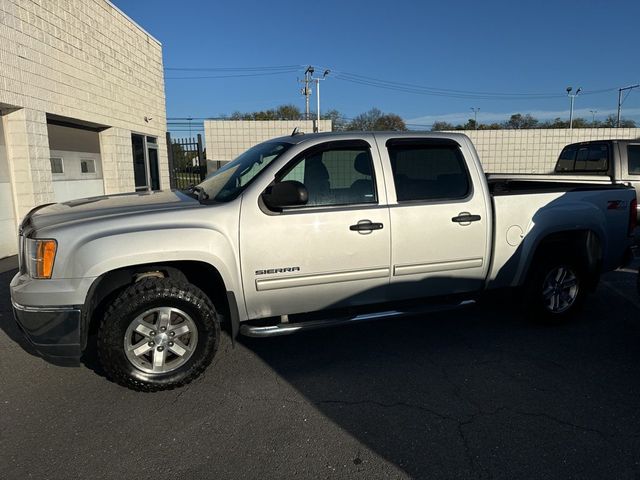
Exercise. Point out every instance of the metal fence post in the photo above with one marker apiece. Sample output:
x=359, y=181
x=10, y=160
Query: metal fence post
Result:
x=172, y=171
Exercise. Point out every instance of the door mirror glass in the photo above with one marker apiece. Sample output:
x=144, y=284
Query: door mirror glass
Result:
x=289, y=193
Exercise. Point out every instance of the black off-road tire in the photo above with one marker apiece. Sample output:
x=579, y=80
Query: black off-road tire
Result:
x=535, y=305
x=145, y=295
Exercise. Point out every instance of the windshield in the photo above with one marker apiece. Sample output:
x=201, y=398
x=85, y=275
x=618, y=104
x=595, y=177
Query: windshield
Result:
x=230, y=181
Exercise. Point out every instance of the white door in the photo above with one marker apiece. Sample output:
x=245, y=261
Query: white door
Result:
x=440, y=223
x=319, y=255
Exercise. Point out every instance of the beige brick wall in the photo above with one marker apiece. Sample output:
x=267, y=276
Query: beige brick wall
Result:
x=226, y=139
x=28, y=158
x=85, y=60
x=536, y=150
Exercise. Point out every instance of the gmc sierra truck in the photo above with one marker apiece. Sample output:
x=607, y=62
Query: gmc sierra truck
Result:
x=303, y=232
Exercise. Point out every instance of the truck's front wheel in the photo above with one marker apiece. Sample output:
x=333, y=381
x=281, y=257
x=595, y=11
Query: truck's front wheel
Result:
x=555, y=289
x=158, y=334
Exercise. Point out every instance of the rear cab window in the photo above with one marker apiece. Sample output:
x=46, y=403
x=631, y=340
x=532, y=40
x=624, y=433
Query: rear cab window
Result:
x=428, y=171
x=633, y=159
x=590, y=158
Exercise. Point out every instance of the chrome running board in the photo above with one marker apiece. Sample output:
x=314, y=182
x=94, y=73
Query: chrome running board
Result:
x=293, y=327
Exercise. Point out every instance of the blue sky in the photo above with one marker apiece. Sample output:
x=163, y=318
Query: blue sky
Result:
x=489, y=52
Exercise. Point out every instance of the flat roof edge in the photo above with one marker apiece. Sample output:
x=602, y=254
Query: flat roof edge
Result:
x=134, y=22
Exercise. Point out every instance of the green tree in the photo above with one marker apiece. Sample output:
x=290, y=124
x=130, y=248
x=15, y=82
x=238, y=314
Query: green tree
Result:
x=390, y=121
x=288, y=112
x=375, y=119
x=470, y=125
x=338, y=122
x=612, y=121
x=556, y=123
x=580, y=123
x=439, y=126
x=283, y=112
x=519, y=121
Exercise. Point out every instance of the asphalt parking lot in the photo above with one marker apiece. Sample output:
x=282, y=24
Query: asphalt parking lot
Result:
x=478, y=393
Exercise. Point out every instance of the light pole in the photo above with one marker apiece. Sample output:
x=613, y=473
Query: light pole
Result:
x=572, y=97
x=593, y=116
x=475, y=116
x=317, y=79
x=620, y=100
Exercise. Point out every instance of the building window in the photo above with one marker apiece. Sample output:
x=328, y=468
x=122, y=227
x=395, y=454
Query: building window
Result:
x=87, y=165
x=57, y=166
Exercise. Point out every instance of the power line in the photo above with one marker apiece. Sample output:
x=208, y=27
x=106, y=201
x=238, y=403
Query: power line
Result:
x=443, y=92
x=232, y=69
x=234, y=75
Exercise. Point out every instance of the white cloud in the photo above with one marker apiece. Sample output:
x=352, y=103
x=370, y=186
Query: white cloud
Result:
x=491, y=117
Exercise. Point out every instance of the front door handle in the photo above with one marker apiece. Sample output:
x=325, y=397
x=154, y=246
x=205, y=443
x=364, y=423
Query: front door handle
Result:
x=465, y=218
x=365, y=226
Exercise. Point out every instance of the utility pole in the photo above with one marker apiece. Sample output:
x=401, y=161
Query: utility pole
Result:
x=475, y=116
x=572, y=97
x=593, y=116
x=317, y=79
x=306, y=91
x=620, y=100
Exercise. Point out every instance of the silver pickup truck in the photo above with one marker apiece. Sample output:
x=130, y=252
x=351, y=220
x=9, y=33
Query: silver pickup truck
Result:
x=302, y=232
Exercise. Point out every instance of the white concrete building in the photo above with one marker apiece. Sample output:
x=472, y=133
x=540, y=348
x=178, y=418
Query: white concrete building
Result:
x=226, y=139
x=82, y=106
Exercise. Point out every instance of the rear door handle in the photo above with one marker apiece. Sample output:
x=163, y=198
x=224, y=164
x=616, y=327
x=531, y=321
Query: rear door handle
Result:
x=466, y=217
x=365, y=226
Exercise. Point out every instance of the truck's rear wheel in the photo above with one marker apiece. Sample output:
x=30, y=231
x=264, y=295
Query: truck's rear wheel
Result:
x=158, y=334
x=555, y=289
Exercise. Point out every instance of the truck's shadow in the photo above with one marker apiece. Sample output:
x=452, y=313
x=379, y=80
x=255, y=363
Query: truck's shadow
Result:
x=465, y=393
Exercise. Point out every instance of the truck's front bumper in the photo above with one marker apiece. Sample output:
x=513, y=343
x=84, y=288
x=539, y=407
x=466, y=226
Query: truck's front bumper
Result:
x=53, y=331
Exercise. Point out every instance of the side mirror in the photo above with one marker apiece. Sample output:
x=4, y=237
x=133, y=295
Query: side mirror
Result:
x=289, y=193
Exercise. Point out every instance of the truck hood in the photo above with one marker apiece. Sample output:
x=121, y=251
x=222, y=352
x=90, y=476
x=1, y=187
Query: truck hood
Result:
x=106, y=206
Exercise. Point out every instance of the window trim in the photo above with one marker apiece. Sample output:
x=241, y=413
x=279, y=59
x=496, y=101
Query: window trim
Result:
x=61, y=164
x=318, y=148
x=430, y=142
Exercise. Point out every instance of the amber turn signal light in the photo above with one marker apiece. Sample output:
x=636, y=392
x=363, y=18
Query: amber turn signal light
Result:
x=45, y=257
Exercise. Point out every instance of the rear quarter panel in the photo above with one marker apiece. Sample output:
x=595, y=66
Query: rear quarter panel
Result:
x=523, y=221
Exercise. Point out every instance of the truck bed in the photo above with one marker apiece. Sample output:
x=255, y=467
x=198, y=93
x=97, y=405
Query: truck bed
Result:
x=506, y=184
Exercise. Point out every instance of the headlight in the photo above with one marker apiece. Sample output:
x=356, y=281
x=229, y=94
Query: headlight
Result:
x=40, y=256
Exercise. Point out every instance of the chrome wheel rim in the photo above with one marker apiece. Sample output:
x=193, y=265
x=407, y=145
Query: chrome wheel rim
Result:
x=560, y=289
x=160, y=340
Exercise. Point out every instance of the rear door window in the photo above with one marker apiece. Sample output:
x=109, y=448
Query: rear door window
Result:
x=428, y=172
x=633, y=156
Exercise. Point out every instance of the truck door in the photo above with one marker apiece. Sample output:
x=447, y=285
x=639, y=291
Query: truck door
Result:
x=440, y=217
x=332, y=252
